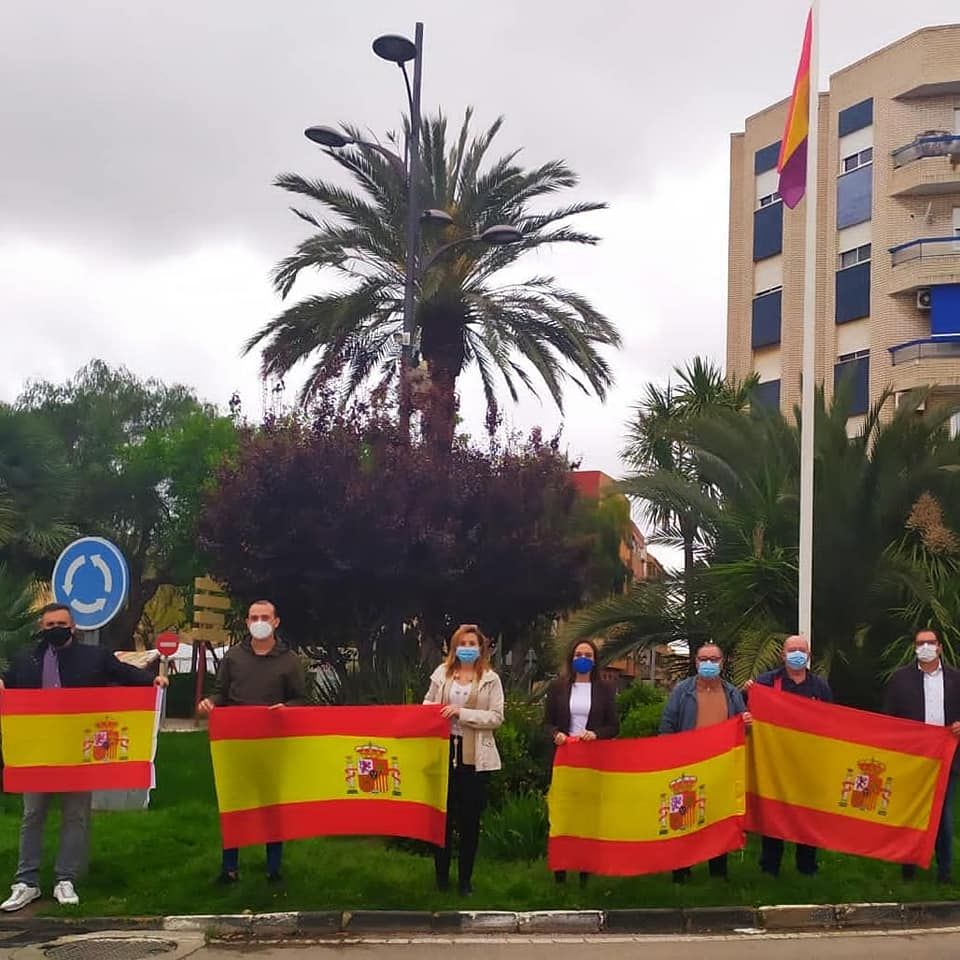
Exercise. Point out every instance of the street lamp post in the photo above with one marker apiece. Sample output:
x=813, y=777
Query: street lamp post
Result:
x=399, y=50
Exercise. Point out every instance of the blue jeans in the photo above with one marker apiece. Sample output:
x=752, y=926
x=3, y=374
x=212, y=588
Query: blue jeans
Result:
x=944, y=845
x=231, y=858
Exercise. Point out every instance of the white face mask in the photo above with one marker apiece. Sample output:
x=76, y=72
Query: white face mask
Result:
x=260, y=629
x=927, y=652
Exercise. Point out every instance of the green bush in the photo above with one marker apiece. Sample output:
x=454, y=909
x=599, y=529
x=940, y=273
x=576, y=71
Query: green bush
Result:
x=640, y=707
x=517, y=830
x=180, y=695
x=525, y=752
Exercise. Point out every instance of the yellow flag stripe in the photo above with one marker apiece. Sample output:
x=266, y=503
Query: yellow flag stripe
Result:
x=259, y=773
x=628, y=806
x=811, y=771
x=58, y=739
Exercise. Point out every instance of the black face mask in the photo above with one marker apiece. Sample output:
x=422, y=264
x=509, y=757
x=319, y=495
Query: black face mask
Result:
x=56, y=636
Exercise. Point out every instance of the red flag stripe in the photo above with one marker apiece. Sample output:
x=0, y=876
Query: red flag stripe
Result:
x=294, y=821
x=834, y=831
x=659, y=753
x=122, y=775
x=887, y=733
x=78, y=700
x=619, y=858
x=257, y=723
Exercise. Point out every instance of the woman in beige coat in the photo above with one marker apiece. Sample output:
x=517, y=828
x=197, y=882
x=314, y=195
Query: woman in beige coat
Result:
x=472, y=698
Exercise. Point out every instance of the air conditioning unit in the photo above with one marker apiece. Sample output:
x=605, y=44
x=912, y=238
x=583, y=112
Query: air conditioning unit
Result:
x=923, y=299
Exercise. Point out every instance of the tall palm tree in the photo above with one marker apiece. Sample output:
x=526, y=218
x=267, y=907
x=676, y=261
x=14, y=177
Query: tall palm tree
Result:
x=664, y=473
x=466, y=314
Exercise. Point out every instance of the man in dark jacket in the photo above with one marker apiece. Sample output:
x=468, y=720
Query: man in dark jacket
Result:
x=60, y=660
x=928, y=691
x=264, y=672
x=702, y=701
x=793, y=677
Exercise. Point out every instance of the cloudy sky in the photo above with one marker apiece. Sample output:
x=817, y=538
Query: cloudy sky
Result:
x=139, y=140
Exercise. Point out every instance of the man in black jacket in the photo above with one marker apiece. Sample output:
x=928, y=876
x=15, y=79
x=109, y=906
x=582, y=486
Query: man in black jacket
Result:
x=793, y=677
x=59, y=660
x=929, y=692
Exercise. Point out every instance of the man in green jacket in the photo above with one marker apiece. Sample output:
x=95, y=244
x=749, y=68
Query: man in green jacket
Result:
x=261, y=671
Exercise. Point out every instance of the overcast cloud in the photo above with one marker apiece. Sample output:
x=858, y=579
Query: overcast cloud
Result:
x=139, y=142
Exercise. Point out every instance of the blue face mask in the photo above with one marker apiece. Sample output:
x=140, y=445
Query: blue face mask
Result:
x=468, y=654
x=708, y=670
x=796, y=659
x=582, y=664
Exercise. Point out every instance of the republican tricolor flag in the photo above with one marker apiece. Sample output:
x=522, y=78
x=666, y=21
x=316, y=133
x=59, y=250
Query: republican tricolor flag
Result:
x=792, y=163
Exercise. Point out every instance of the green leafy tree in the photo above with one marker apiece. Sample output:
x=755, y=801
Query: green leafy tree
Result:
x=467, y=313
x=139, y=453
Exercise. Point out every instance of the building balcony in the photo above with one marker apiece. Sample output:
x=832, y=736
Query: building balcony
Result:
x=928, y=166
x=926, y=262
x=929, y=348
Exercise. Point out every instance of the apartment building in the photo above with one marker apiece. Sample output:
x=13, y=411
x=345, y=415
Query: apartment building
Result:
x=888, y=234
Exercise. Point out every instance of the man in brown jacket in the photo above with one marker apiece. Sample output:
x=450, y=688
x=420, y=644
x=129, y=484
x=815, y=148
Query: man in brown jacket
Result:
x=261, y=671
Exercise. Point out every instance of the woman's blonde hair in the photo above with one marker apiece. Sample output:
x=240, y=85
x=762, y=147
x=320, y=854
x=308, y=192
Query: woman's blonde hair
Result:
x=466, y=630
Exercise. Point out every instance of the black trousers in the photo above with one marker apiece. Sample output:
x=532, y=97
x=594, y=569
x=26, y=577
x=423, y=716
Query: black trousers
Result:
x=771, y=856
x=466, y=799
x=717, y=867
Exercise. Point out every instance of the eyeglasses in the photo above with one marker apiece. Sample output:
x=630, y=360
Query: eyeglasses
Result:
x=709, y=659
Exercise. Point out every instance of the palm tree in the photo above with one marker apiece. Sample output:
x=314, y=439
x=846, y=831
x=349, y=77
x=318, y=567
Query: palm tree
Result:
x=665, y=477
x=885, y=558
x=866, y=489
x=466, y=313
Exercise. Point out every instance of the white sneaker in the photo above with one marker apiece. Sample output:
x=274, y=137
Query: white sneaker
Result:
x=64, y=893
x=20, y=895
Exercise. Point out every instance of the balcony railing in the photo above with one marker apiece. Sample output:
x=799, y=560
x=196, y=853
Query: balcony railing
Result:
x=926, y=248
x=932, y=146
x=932, y=348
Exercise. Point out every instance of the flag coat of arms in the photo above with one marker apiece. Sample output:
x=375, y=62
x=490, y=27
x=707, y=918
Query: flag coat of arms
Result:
x=79, y=738
x=302, y=772
x=845, y=779
x=627, y=807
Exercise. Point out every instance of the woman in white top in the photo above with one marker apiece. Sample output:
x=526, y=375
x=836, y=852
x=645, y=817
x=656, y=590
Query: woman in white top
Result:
x=580, y=705
x=472, y=698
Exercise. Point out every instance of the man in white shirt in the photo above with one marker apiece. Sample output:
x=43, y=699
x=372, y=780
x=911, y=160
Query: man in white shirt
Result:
x=929, y=691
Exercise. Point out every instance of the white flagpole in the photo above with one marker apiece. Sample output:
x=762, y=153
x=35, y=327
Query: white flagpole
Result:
x=809, y=343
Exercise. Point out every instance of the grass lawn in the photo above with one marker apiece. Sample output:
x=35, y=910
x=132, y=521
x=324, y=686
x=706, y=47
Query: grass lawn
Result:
x=165, y=861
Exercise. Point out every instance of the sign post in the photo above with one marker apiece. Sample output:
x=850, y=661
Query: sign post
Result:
x=91, y=577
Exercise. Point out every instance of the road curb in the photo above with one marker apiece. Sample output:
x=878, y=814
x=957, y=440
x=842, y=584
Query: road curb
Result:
x=337, y=925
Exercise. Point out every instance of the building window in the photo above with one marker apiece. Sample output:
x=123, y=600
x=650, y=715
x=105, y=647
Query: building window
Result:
x=856, y=160
x=945, y=309
x=855, y=197
x=850, y=258
x=855, y=118
x=851, y=373
x=768, y=199
x=767, y=394
x=765, y=319
x=853, y=293
x=767, y=231
x=766, y=158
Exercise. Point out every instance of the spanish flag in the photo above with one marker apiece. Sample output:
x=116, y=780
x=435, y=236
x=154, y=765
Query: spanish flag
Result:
x=626, y=807
x=845, y=779
x=792, y=163
x=297, y=772
x=79, y=738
